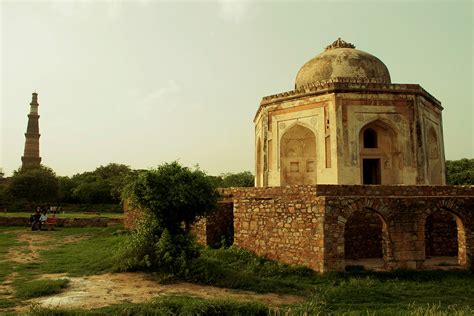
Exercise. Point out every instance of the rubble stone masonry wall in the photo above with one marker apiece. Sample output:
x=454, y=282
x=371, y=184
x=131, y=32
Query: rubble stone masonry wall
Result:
x=306, y=225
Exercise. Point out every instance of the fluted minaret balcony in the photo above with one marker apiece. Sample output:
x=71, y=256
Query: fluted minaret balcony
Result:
x=31, y=157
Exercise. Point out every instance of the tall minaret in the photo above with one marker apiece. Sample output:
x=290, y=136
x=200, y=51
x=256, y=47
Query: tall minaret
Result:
x=31, y=157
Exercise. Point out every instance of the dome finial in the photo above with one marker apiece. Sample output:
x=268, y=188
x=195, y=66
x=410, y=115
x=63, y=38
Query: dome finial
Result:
x=339, y=43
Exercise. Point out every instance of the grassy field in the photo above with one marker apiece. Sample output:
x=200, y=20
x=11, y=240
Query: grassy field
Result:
x=88, y=251
x=65, y=215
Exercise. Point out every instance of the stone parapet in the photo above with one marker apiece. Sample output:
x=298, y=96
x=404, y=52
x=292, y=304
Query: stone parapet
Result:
x=349, y=190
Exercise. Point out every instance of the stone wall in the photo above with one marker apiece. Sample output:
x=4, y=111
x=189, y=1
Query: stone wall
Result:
x=306, y=224
x=312, y=225
x=363, y=236
x=284, y=229
x=64, y=222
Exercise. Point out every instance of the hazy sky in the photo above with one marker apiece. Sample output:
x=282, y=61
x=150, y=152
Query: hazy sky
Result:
x=146, y=82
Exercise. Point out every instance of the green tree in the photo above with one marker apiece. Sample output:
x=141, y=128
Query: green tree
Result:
x=241, y=179
x=173, y=194
x=36, y=185
x=227, y=180
x=66, y=187
x=95, y=191
x=460, y=171
x=6, y=198
x=171, y=197
x=103, y=185
x=116, y=177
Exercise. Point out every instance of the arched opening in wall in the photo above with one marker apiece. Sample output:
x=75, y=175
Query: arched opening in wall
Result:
x=298, y=156
x=445, y=240
x=379, y=155
x=365, y=240
x=258, y=167
x=370, y=138
x=434, y=158
x=220, y=226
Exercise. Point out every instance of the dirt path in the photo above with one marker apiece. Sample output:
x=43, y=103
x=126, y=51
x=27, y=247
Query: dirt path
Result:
x=114, y=288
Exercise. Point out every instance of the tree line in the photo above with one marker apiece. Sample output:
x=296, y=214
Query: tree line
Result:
x=104, y=185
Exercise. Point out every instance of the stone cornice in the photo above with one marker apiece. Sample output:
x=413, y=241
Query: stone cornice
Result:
x=343, y=85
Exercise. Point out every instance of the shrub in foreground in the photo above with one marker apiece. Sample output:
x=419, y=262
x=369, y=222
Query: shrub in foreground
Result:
x=171, y=197
x=150, y=248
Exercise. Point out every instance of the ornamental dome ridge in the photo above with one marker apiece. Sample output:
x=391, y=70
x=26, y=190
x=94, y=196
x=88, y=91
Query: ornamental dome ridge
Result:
x=342, y=60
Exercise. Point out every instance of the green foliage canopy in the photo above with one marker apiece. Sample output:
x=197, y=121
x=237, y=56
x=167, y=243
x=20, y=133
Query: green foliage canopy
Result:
x=37, y=185
x=227, y=180
x=460, y=171
x=103, y=185
x=172, y=197
x=173, y=194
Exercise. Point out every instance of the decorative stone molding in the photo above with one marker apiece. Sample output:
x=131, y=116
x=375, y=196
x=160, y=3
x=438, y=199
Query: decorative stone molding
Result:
x=351, y=84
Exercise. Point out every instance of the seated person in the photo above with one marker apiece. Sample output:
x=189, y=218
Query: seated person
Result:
x=35, y=220
x=43, y=218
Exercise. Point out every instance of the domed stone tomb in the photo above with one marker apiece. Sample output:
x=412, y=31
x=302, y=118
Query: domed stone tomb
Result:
x=346, y=123
x=342, y=60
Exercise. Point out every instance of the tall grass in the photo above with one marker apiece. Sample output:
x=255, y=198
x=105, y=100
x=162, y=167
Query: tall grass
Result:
x=168, y=305
x=37, y=288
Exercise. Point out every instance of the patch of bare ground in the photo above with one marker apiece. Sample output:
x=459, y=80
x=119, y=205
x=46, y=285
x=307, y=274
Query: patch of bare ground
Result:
x=6, y=288
x=37, y=241
x=115, y=288
x=30, y=252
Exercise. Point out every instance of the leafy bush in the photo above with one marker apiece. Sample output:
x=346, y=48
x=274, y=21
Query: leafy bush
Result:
x=152, y=248
x=171, y=197
x=173, y=194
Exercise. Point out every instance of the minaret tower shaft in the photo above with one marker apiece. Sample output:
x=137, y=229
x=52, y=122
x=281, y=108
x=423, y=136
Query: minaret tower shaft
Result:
x=31, y=157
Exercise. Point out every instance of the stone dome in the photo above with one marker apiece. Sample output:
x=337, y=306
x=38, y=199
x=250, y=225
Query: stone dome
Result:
x=342, y=60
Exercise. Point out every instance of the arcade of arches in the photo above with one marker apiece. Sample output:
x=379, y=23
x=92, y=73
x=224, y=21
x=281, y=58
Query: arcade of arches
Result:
x=330, y=227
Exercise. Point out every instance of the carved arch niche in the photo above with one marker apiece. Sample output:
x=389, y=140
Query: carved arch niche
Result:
x=379, y=154
x=434, y=157
x=298, y=156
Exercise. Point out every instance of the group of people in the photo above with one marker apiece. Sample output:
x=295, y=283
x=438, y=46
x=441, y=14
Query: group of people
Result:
x=40, y=217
